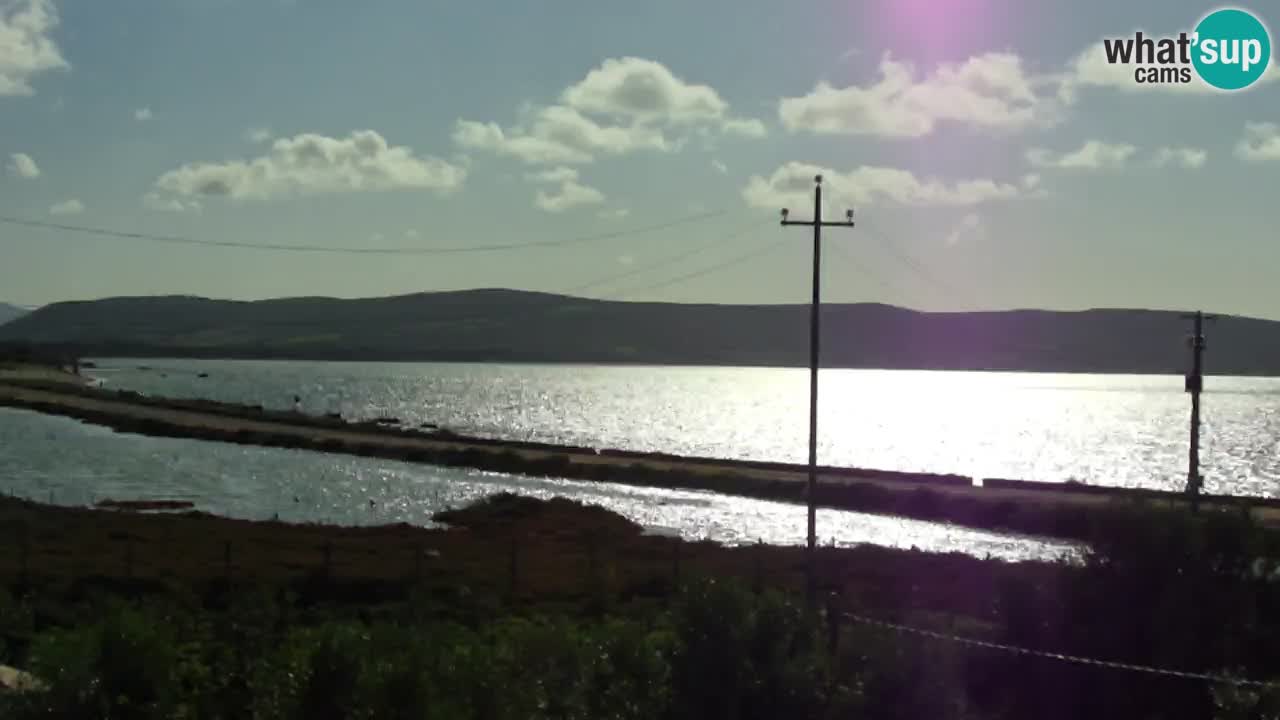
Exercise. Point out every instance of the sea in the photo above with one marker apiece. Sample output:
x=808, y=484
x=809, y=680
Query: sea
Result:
x=1122, y=430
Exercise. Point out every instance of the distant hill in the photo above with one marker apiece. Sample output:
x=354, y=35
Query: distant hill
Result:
x=10, y=312
x=514, y=326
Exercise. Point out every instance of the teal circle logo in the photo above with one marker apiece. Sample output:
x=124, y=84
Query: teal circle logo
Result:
x=1232, y=49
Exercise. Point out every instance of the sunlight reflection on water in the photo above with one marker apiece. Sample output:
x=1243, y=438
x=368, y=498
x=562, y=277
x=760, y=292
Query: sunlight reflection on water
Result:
x=57, y=458
x=1104, y=429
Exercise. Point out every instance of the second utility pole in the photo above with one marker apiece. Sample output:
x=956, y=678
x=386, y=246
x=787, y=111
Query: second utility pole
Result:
x=1194, y=385
x=814, y=333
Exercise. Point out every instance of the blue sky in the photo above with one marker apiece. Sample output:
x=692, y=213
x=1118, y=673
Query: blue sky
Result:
x=992, y=163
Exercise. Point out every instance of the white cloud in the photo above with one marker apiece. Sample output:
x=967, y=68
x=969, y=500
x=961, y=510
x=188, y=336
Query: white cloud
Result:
x=626, y=259
x=632, y=88
x=1090, y=69
x=142, y=114
x=559, y=135
x=1093, y=155
x=570, y=195
x=21, y=165
x=311, y=164
x=1261, y=142
x=156, y=201
x=615, y=213
x=969, y=227
x=377, y=237
x=411, y=234
x=990, y=91
x=258, y=135
x=1185, y=157
x=791, y=185
x=744, y=127
x=555, y=175
x=67, y=207
x=720, y=167
x=625, y=105
x=26, y=47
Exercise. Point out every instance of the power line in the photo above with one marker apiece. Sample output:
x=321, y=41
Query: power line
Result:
x=1075, y=659
x=914, y=265
x=664, y=262
x=865, y=272
x=756, y=252
x=183, y=240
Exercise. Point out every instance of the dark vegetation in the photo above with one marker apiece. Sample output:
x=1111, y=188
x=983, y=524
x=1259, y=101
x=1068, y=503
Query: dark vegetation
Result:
x=513, y=326
x=547, y=609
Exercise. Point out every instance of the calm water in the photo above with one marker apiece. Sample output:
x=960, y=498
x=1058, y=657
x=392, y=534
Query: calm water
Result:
x=59, y=459
x=1103, y=429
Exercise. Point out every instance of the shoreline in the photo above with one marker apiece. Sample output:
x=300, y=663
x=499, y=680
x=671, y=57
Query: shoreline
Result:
x=1057, y=510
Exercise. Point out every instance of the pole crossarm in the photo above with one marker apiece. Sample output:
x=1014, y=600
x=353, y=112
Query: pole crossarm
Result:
x=817, y=223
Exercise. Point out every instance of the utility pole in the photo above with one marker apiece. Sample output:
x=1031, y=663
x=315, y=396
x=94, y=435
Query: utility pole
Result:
x=815, y=306
x=1194, y=384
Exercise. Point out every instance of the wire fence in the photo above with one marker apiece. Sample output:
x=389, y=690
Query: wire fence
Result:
x=1060, y=657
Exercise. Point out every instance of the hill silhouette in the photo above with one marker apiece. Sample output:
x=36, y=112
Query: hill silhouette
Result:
x=516, y=326
x=10, y=312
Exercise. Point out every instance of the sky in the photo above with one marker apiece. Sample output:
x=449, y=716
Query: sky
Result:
x=992, y=159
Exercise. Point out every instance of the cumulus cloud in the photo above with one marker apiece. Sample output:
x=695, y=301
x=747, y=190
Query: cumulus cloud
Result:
x=791, y=185
x=258, y=135
x=1261, y=142
x=1184, y=157
x=744, y=127
x=1093, y=155
x=161, y=203
x=142, y=114
x=720, y=167
x=21, y=165
x=311, y=164
x=639, y=89
x=625, y=105
x=991, y=91
x=26, y=46
x=615, y=213
x=558, y=135
x=67, y=207
x=569, y=196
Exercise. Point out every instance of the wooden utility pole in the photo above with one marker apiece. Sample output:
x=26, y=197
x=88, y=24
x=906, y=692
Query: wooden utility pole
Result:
x=1194, y=384
x=817, y=223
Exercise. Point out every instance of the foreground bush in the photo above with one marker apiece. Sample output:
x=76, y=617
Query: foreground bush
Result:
x=720, y=652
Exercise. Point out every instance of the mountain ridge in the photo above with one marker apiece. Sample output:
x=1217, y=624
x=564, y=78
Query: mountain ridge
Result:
x=495, y=324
